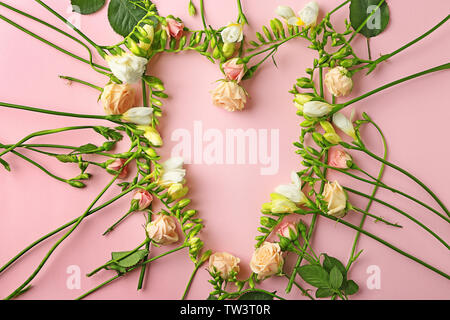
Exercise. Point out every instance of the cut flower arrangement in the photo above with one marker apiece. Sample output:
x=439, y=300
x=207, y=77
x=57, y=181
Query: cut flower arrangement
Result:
x=327, y=141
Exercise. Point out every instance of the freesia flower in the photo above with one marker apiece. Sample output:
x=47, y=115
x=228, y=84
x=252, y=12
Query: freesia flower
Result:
x=292, y=191
x=302, y=98
x=116, y=165
x=144, y=198
x=152, y=135
x=177, y=191
x=345, y=124
x=285, y=12
x=267, y=260
x=336, y=197
x=233, y=70
x=127, y=67
x=139, y=115
x=308, y=15
x=163, y=230
x=316, y=109
x=279, y=204
x=223, y=263
x=234, y=32
x=118, y=98
x=229, y=95
x=174, y=28
x=339, y=82
x=172, y=172
x=338, y=158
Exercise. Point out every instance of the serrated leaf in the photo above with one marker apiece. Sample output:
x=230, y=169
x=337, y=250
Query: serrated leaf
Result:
x=336, y=278
x=361, y=9
x=131, y=260
x=329, y=263
x=255, y=295
x=324, y=293
x=314, y=275
x=124, y=15
x=351, y=287
x=87, y=6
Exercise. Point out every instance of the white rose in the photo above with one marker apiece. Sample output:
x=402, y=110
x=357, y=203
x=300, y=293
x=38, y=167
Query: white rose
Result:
x=223, y=263
x=309, y=14
x=127, y=67
x=267, y=260
x=336, y=197
x=316, y=109
x=232, y=33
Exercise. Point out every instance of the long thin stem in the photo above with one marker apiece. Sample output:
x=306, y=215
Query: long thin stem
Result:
x=72, y=79
x=117, y=222
x=377, y=218
x=197, y=266
x=387, y=244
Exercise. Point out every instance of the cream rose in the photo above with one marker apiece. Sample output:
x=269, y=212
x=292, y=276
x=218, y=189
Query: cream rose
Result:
x=339, y=82
x=224, y=263
x=229, y=96
x=118, y=98
x=267, y=260
x=127, y=67
x=163, y=230
x=336, y=198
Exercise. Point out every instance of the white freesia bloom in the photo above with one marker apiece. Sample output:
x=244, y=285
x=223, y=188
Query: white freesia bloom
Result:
x=233, y=33
x=172, y=172
x=139, y=115
x=309, y=14
x=285, y=12
x=316, y=109
x=345, y=124
x=127, y=67
x=292, y=191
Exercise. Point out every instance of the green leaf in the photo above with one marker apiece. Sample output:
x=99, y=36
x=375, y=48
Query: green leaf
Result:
x=351, y=287
x=87, y=148
x=361, y=9
x=255, y=295
x=87, y=6
x=314, y=275
x=336, y=278
x=324, y=293
x=330, y=262
x=211, y=297
x=124, y=15
x=5, y=164
x=131, y=260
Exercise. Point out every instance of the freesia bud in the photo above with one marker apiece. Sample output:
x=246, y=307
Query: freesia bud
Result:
x=302, y=98
x=339, y=82
x=316, y=109
x=267, y=260
x=281, y=204
x=163, y=230
x=338, y=158
x=139, y=115
x=343, y=123
x=127, y=67
x=152, y=135
x=285, y=12
x=228, y=49
x=336, y=197
x=118, y=98
x=148, y=32
x=233, y=33
x=223, y=263
x=144, y=198
x=177, y=191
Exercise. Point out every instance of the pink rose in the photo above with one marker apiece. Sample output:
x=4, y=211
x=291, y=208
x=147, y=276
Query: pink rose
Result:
x=116, y=165
x=144, y=198
x=338, y=158
x=175, y=28
x=285, y=230
x=233, y=70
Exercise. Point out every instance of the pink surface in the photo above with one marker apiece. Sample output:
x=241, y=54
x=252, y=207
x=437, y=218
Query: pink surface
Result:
x=412, y=115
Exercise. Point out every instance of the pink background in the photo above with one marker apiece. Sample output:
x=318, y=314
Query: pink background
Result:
x=412, y=115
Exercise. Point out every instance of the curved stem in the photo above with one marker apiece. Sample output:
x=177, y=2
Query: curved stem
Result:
x=82, y=82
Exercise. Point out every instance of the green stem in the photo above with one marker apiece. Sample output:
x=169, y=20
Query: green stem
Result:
x=304, y=292
x=67, y=234
x=365, y=21
x=377, y=218
x=190, y=281
x=119, y=275
x=82, y=82
x=92, y=43
x=117, y=222
x=338, y=7
x=242, y=17
x=339, y=107
x=387, y=244
x=202, y=12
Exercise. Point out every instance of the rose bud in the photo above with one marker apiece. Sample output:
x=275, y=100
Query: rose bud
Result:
x=267, y=260
x=288, y=230
x=224, y=264
x=336, y=197
x=233, y=70
x=163, y=230
x=175, y=28
x=118, y=98
x=229, y=96
x=127, y=67
x=144, y=198
x=338, y=158
x=339, y=82
x=115, y=166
